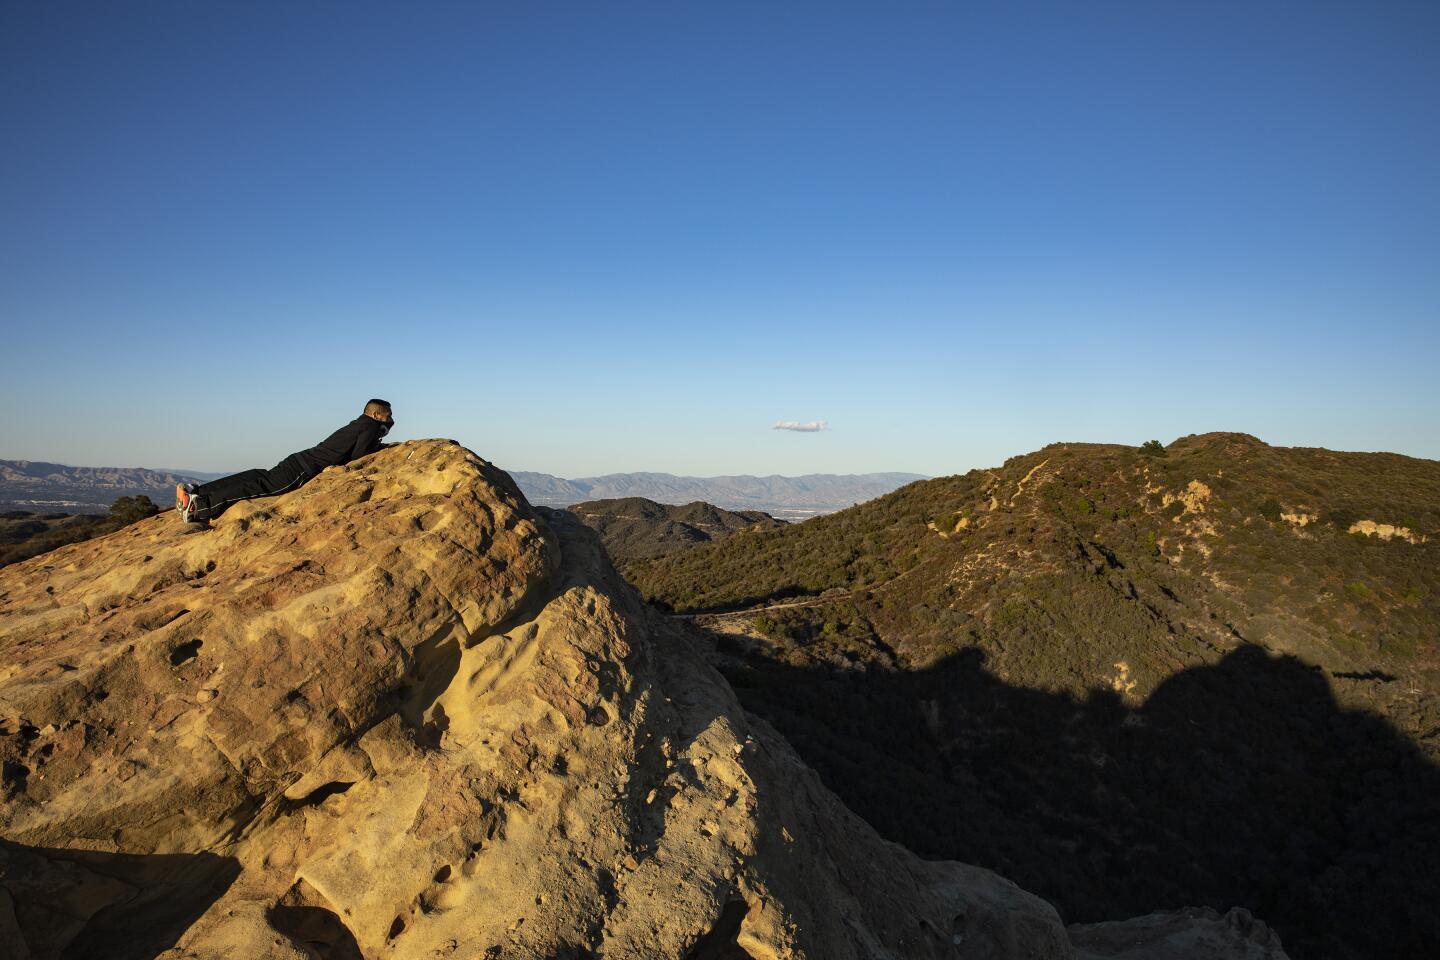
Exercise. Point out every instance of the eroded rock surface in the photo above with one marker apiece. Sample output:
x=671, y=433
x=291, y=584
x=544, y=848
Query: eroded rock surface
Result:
x=399, y=713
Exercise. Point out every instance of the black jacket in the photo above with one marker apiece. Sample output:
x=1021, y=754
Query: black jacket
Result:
x=356, y=439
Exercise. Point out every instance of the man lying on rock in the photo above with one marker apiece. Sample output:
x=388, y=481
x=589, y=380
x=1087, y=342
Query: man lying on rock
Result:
x=361, y=436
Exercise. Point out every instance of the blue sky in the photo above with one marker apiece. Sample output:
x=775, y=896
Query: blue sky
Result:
x=595, y=237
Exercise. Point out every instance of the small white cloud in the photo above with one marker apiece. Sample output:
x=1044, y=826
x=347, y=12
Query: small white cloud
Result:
x=814, y=426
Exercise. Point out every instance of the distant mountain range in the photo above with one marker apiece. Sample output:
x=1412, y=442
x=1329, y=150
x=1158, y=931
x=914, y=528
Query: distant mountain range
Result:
x=40, y=486
x=34, y=485
x=788, y=498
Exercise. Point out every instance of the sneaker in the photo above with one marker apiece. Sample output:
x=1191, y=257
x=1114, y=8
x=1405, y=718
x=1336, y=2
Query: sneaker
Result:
x=186, y=502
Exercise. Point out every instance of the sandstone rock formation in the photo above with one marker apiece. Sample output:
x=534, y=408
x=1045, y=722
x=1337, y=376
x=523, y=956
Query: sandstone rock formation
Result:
x=399, y=713
x=1385, y=531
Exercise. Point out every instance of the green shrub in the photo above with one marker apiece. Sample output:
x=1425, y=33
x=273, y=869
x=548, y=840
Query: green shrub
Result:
x=947, y=522
x=130, y=509
x=1271, y=510
x=1342, y=518
x=1360, y=593
x=1011, y=614
x=1152, y=448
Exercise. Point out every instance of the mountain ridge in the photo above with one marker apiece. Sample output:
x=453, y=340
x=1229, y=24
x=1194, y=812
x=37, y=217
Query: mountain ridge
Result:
x=42, y=484
x=634, y=528
x=786, y=497
x=34, y=483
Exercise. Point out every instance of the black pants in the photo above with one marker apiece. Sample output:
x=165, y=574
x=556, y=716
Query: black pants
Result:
x=217, y=496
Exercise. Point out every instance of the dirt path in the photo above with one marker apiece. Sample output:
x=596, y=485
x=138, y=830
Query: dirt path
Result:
x=1020, y=487
x=752, y=611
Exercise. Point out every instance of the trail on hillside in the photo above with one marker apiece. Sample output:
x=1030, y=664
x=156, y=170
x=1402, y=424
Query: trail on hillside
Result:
x=807, y=602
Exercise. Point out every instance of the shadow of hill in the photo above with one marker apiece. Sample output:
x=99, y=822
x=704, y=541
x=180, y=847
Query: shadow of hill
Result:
x=86, y=904
x=1241, y=783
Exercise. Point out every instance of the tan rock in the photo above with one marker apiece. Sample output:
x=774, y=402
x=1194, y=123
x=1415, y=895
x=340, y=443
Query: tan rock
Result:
x=1194, y=497
x=1385, y=531
x=399, y=714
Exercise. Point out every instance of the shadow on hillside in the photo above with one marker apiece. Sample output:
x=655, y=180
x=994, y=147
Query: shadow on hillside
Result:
x=1241, y=783
x=83, y=904
x=744, y=604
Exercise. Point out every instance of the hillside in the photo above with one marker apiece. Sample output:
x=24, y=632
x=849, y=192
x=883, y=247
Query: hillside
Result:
x=635, y=528
x=25, y=534
x=789, y=498
x=401, y=714
x=1208, y=676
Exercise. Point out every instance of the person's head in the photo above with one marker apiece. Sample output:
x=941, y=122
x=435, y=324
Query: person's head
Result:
x=380, y=410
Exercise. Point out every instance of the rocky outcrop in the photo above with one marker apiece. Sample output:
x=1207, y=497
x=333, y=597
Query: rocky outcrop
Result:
x=1384, y=531
x=399, y=713
x=1192, y=934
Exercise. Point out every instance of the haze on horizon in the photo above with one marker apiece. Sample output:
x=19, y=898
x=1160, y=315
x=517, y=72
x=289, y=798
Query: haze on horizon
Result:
x=587, y=239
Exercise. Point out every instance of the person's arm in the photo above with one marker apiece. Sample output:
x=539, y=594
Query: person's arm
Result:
x=367, y=440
